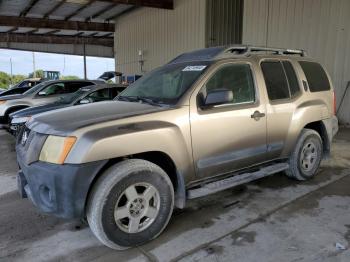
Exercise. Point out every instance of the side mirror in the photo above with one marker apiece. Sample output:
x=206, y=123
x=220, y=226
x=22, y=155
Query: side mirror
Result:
x=218, y=97
x=42, y=93
x=84, y=101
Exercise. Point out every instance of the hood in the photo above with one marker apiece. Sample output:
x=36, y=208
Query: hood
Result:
x=10, y=97
x=14, y=91
x=65, y=121
x=37, y=110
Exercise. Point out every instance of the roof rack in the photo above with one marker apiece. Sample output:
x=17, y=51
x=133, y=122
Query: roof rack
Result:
x=229, y=51
x=248, y=50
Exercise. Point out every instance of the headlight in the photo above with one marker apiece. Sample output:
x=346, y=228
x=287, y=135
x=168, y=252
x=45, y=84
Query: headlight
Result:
x=20, y=120
x=56, y=149
x=2, y=102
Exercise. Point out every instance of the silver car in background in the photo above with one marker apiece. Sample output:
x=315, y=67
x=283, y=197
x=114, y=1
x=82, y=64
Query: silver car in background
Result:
x=41, y=94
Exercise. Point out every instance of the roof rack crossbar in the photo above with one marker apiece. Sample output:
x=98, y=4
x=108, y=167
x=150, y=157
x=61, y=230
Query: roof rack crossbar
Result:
x=250, y=49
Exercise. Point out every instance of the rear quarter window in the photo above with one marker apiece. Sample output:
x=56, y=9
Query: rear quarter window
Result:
x=315, y=76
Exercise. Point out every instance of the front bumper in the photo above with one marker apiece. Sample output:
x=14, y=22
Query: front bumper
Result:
x=60, y=190
x=3, y=120
x=15, y=129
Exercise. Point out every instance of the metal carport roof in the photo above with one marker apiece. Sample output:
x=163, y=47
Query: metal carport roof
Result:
x=65, y=26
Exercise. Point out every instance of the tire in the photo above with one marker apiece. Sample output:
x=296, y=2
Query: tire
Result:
x=306, y=157
x=114, y=195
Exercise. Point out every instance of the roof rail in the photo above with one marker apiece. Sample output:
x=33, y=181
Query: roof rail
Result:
x=247, y=50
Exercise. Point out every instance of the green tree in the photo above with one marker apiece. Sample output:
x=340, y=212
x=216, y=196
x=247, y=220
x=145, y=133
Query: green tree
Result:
x=18, y=78
x=5, y=80
x=38, y=73
x=70, y=77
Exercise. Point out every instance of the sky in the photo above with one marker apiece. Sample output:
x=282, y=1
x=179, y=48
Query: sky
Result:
x=22, y=63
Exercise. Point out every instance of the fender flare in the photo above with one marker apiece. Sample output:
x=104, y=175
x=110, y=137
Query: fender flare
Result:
x=180, y=192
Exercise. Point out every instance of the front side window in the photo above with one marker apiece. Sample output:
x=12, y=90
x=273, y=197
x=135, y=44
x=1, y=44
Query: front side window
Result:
x=236, y=78
x=98, y=96
x=166, y=84
x=53, y=89
x=316, y=76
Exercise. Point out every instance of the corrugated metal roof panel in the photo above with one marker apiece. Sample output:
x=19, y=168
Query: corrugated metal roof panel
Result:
x=321, y=27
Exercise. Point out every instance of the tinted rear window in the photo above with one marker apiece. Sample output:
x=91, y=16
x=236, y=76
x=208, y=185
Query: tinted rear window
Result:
x=316, y=76
x=292, y=78
x=275, y=79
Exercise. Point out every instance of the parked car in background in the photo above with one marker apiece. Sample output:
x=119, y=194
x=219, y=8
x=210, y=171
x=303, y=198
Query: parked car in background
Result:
x=85, y=95
x=27, y=83
x=42, y=94
x=111, y=74
x=21, y=87
x=14, y=91
x=207, y=121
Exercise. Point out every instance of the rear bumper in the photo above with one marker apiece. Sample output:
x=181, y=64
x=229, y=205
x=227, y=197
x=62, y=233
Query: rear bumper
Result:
x=331, y=126
x=335, y=126
x=60, y=190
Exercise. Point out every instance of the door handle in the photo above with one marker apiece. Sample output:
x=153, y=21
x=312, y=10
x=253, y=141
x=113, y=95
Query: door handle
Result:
x=257, y=115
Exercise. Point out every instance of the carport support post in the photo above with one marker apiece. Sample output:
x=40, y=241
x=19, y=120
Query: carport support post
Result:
x=84, y=50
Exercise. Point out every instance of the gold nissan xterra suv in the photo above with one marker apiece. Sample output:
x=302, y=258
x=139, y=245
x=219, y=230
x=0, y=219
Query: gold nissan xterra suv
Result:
x=207, y=121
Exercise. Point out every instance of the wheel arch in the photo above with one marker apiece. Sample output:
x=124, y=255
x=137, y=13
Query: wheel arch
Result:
x=158, y=158
x=15, y=108
x=321, y=129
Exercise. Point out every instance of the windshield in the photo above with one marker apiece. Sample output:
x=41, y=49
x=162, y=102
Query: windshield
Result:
x=166, y=84
x=70, y=98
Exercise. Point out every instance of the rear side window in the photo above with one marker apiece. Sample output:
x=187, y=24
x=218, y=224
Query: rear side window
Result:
x=292, y=78
x=316, y=76
x=75, y=86
x=275, y=79
x=115, y=91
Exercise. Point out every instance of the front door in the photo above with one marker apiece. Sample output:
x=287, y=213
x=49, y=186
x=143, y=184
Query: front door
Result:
x=229, y=136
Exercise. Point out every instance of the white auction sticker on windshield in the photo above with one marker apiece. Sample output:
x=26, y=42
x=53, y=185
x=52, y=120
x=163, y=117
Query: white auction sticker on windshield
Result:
x=194, y=68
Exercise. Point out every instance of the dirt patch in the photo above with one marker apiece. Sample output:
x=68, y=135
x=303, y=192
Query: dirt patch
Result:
x=242, y=237
x=214, y=249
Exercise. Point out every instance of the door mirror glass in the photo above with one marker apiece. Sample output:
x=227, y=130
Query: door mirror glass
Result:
x=42, y=93
x=219, y=97
x=84, y=101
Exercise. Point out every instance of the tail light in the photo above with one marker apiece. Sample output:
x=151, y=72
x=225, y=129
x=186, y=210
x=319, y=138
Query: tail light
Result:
x=334, y=104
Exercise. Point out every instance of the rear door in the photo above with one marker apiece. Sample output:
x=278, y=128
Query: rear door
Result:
x=283, y=89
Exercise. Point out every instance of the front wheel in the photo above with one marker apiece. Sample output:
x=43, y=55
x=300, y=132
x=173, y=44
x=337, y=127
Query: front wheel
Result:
x=306, y=157
x=130, y=204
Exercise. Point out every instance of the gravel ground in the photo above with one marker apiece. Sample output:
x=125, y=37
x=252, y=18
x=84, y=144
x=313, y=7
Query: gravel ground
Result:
x=273, y=219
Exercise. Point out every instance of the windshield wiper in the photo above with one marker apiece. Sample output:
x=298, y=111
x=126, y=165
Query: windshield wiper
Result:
x=146, y=100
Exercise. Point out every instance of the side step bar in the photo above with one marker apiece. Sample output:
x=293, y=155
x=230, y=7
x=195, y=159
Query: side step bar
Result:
x=235, y=180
